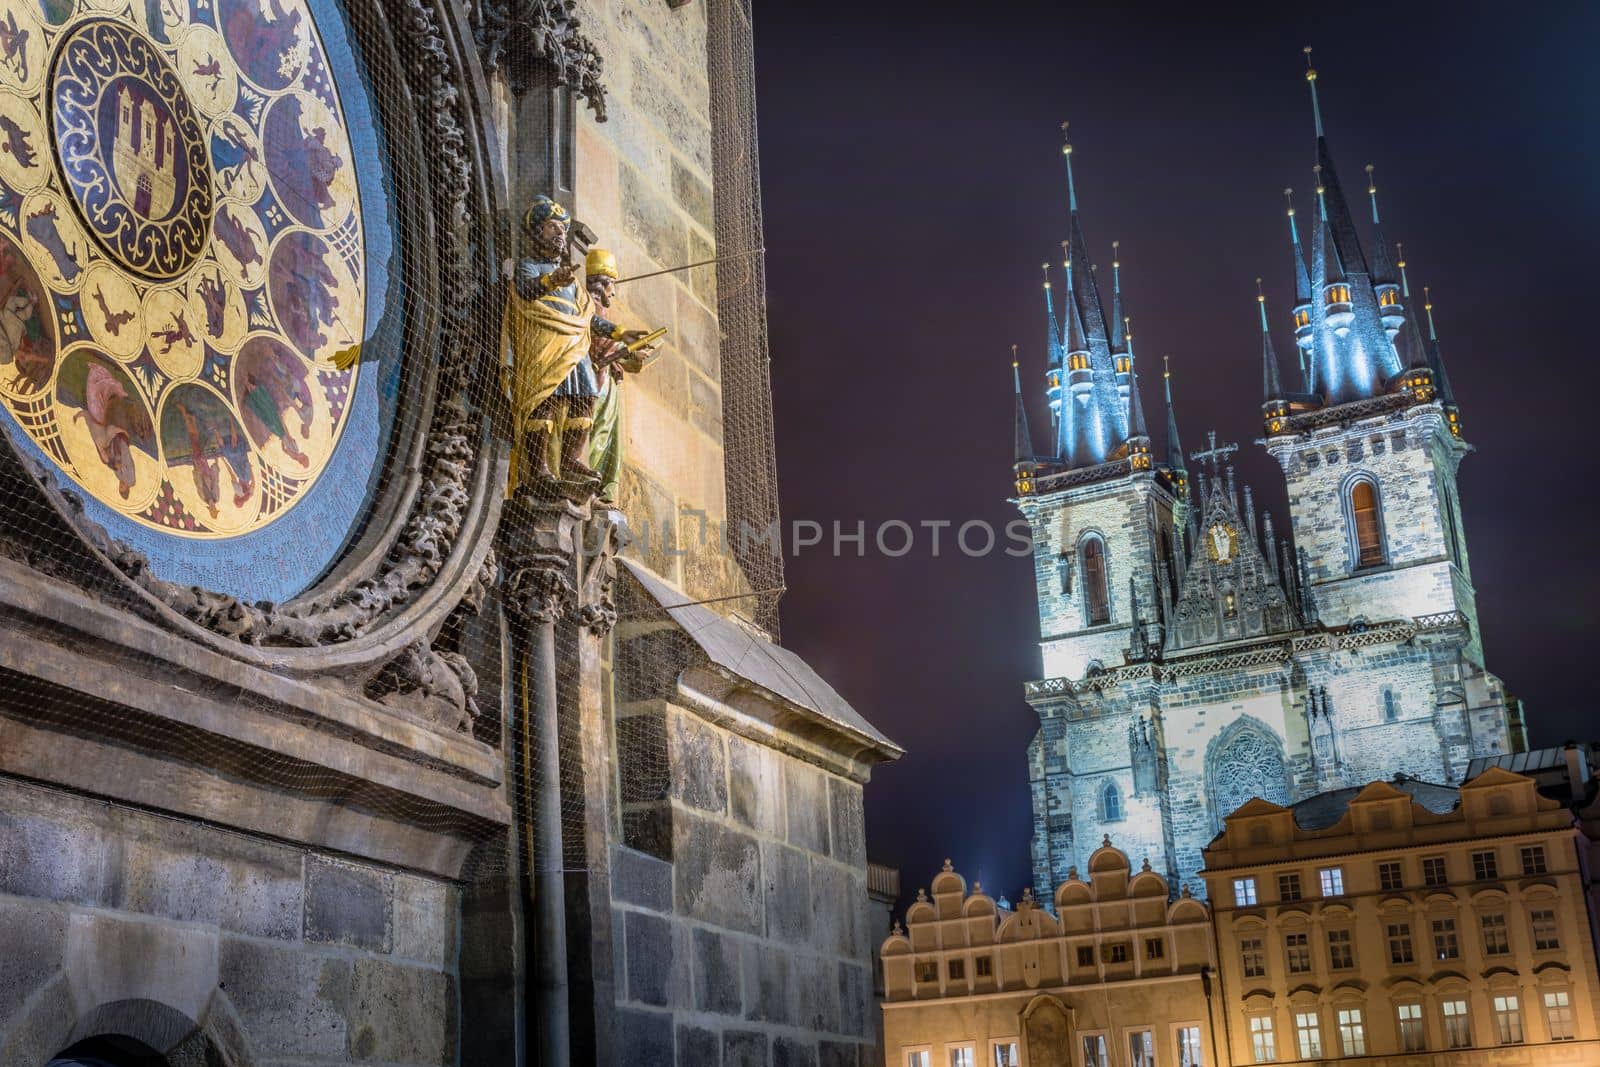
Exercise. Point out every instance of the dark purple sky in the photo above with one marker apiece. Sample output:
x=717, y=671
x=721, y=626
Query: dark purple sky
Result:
x=913, y=185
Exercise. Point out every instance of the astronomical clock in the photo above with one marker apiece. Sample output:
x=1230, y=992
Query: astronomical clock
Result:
x=195, y=282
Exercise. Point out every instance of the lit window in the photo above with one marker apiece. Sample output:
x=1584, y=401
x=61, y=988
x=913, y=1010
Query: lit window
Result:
x=962, y=1057
x=1544, y=930
x=1096, y=591
x=1006, y=1054
x=1308, y=1034
x=1558, y=1013
x=1533, y=859
x=1496, y=938
x=1433, y=871
x=918, y=1058
x=1253, y=957
x=1457, y=1024
x=984, y=967
x=1288, y=887
x=1189, y=1054
x=1297, y=952
x=1413, y=1035
x=1244, y=892
x=1095, y=1053
x=1390, y=876
x=1332, y=879
x=1399, y=935
x=1484, y=866
x=1508, y=1020
x=1141, y=1049
x=1340, y=955
x=1364, y=517
x=1085, y=955
x=1445, y=945
x=1110, y=803
x=1262, y=1045
x=957, y=970
x=1117, y=952
x=1154, y=948
x=1352, y=1032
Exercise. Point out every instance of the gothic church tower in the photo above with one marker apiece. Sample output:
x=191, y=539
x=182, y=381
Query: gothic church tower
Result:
x=1191, y=659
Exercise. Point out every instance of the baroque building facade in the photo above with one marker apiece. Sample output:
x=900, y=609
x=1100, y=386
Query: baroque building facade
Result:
x=1193, y=655
x=328, y=733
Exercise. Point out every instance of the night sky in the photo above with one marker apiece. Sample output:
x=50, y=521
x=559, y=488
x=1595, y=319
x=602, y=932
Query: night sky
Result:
x=913, y=185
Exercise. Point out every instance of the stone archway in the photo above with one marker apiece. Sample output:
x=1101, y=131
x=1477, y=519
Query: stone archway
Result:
x=109, y=1051
x=124, y=1033
x=1245, y=761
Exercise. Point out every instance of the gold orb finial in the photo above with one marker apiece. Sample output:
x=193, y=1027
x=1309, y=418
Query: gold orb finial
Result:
x=1400, y=254
x=1311, y=72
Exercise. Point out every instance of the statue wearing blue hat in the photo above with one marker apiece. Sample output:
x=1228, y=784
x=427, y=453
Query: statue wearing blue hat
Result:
x=546, y=336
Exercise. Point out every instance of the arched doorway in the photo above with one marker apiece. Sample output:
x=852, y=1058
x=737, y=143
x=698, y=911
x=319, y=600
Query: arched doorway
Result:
x=109, y=1051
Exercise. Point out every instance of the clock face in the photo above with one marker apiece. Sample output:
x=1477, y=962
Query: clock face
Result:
x=1221, y=542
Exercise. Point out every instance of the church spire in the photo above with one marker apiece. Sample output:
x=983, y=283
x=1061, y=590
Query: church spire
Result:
x=1024, y=442
x=1302, y=280
x=1441, y=380
x=1118, y=317
x=1053, y=330
x=1174, y=446
x=1136, y=423
x=1271, y=385
x=1382, y=271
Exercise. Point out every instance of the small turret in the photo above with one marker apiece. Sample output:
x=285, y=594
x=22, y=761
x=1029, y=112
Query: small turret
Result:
x=1391, y=311
x=1024, y=465
x=1274, y=403
x=1333, y=286
x=1175, y=460
x=1053, y=352
x=1121, y=340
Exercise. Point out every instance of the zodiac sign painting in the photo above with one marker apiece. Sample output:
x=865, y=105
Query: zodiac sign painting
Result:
x=182, y=253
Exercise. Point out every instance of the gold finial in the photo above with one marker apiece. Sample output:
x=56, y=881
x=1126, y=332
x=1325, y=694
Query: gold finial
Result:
x=1371, y=188
x=1288, y=195
x=1400, y=254
x=1066, y=146
x=1115, y=254
x=1317, y=170
x=1013, y=357
x=1261, y=297
x=1311, y=72
x=1166, y=366
x=1427, y=299
x=1127, y=329
x=1046, y=267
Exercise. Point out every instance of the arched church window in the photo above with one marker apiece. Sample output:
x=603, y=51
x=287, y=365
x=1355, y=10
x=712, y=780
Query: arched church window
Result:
x=1366, y=524
x=1249, y=764
x=1096, y=589
x=1110, y=803
x=1391, y=709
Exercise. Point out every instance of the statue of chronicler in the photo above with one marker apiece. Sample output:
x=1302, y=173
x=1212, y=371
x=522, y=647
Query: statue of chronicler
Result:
x=548, y=333
x=613, y=359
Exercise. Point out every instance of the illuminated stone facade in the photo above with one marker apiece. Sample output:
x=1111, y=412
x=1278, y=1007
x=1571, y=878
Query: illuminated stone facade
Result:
x=1408, y=924
x=1192, y=656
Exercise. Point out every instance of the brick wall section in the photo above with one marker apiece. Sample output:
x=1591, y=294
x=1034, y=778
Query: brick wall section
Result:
x=318, y=960
x=750, y=942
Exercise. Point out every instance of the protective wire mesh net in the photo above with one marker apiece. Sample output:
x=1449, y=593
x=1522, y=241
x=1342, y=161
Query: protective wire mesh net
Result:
x=350, y=294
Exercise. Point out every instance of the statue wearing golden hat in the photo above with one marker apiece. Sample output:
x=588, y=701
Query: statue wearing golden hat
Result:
x=613, y=360
x=547, y=335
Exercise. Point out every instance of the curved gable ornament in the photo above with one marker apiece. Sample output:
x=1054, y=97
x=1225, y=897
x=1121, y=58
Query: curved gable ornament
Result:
x=266, y=436
x=1245, y=761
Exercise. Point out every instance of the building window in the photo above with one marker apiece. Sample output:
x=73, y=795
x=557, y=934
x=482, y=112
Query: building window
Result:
x=1297, y=951
x=1110, y=803
x=1289, y=886
x=1484, y=866
x=1558, y=1013
x=1189, y=1054
x=984, y=967
x=957, y=970
x=1154, y=948
x=927, y=970
x=1451, y=528
x=1095, y=1053
x=1544, y=930
x=1366, y=527
x=1400, y=943
x=1413, y=1035
x=1262, y=1045
x=1340, y=955
x=1141, y=1049
x=1244, y=892
x=1533, y=860
x=1457, y=1024
x=1445, y=945
x=963, y=1057
x=1117, y=952
x=1307, y=1034
x=1352, y=1032
x=1332, y=879
x=1096, y=589
x=1390, y=876
x=918, y=1058
x=1085, y=955
x=1433, y=872
x=1496, y=940
x=1508, y=1020
x=1391, y=709
x=1253, y=957
x=1006, y=1054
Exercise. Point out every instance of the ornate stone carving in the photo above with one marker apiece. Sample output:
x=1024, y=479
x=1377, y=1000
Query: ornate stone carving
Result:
x=597, y=607
x=539, y=32
x=538, y=590
x=442, y=685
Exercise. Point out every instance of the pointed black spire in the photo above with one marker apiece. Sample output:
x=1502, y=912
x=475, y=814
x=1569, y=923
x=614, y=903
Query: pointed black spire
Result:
x=1136, y=424
x=1119, y=318
x=1024, y=442
x=1174, y=446
x=1336, y=211
x=1382, y=271
x=1324, y=248
x=1441, y=380
x=1302, y=279
x=1416, y=355
x=1271, y=385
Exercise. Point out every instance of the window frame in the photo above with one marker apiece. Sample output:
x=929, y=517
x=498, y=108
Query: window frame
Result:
x=1506, y=1009
x=1501, y=925
x=1551, y=940
x=1331, y=876
x=1104, y=1057
x=1253, y=957
x=1129, y=1034
x=1289, y=887
x=1308, y=1050
x=1446, y=938
x=1355, y=516
x=1397, y=934
x=1155, y=949
x=1485, y=865
x=1244, y=893
x=1430, y=864
x=1110, y=801
x=1297, y=951
x=1352, y=1027
x=1385, y=869
x=1413, y=1038
x=997, y=1043
x=1263, y=1038
x=1533, y=860
x=1565, y=1007
x=1090, y=603
x=951, y=1048
x=1341, y=953
x=909, y=1051
x=1456, y=1024
x=1176, y=1040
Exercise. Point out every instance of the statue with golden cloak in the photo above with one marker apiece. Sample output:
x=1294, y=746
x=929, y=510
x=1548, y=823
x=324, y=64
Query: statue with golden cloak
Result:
x=613, y=361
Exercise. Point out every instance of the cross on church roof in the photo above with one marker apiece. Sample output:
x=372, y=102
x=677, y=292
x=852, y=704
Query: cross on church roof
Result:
x=1215, y=454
